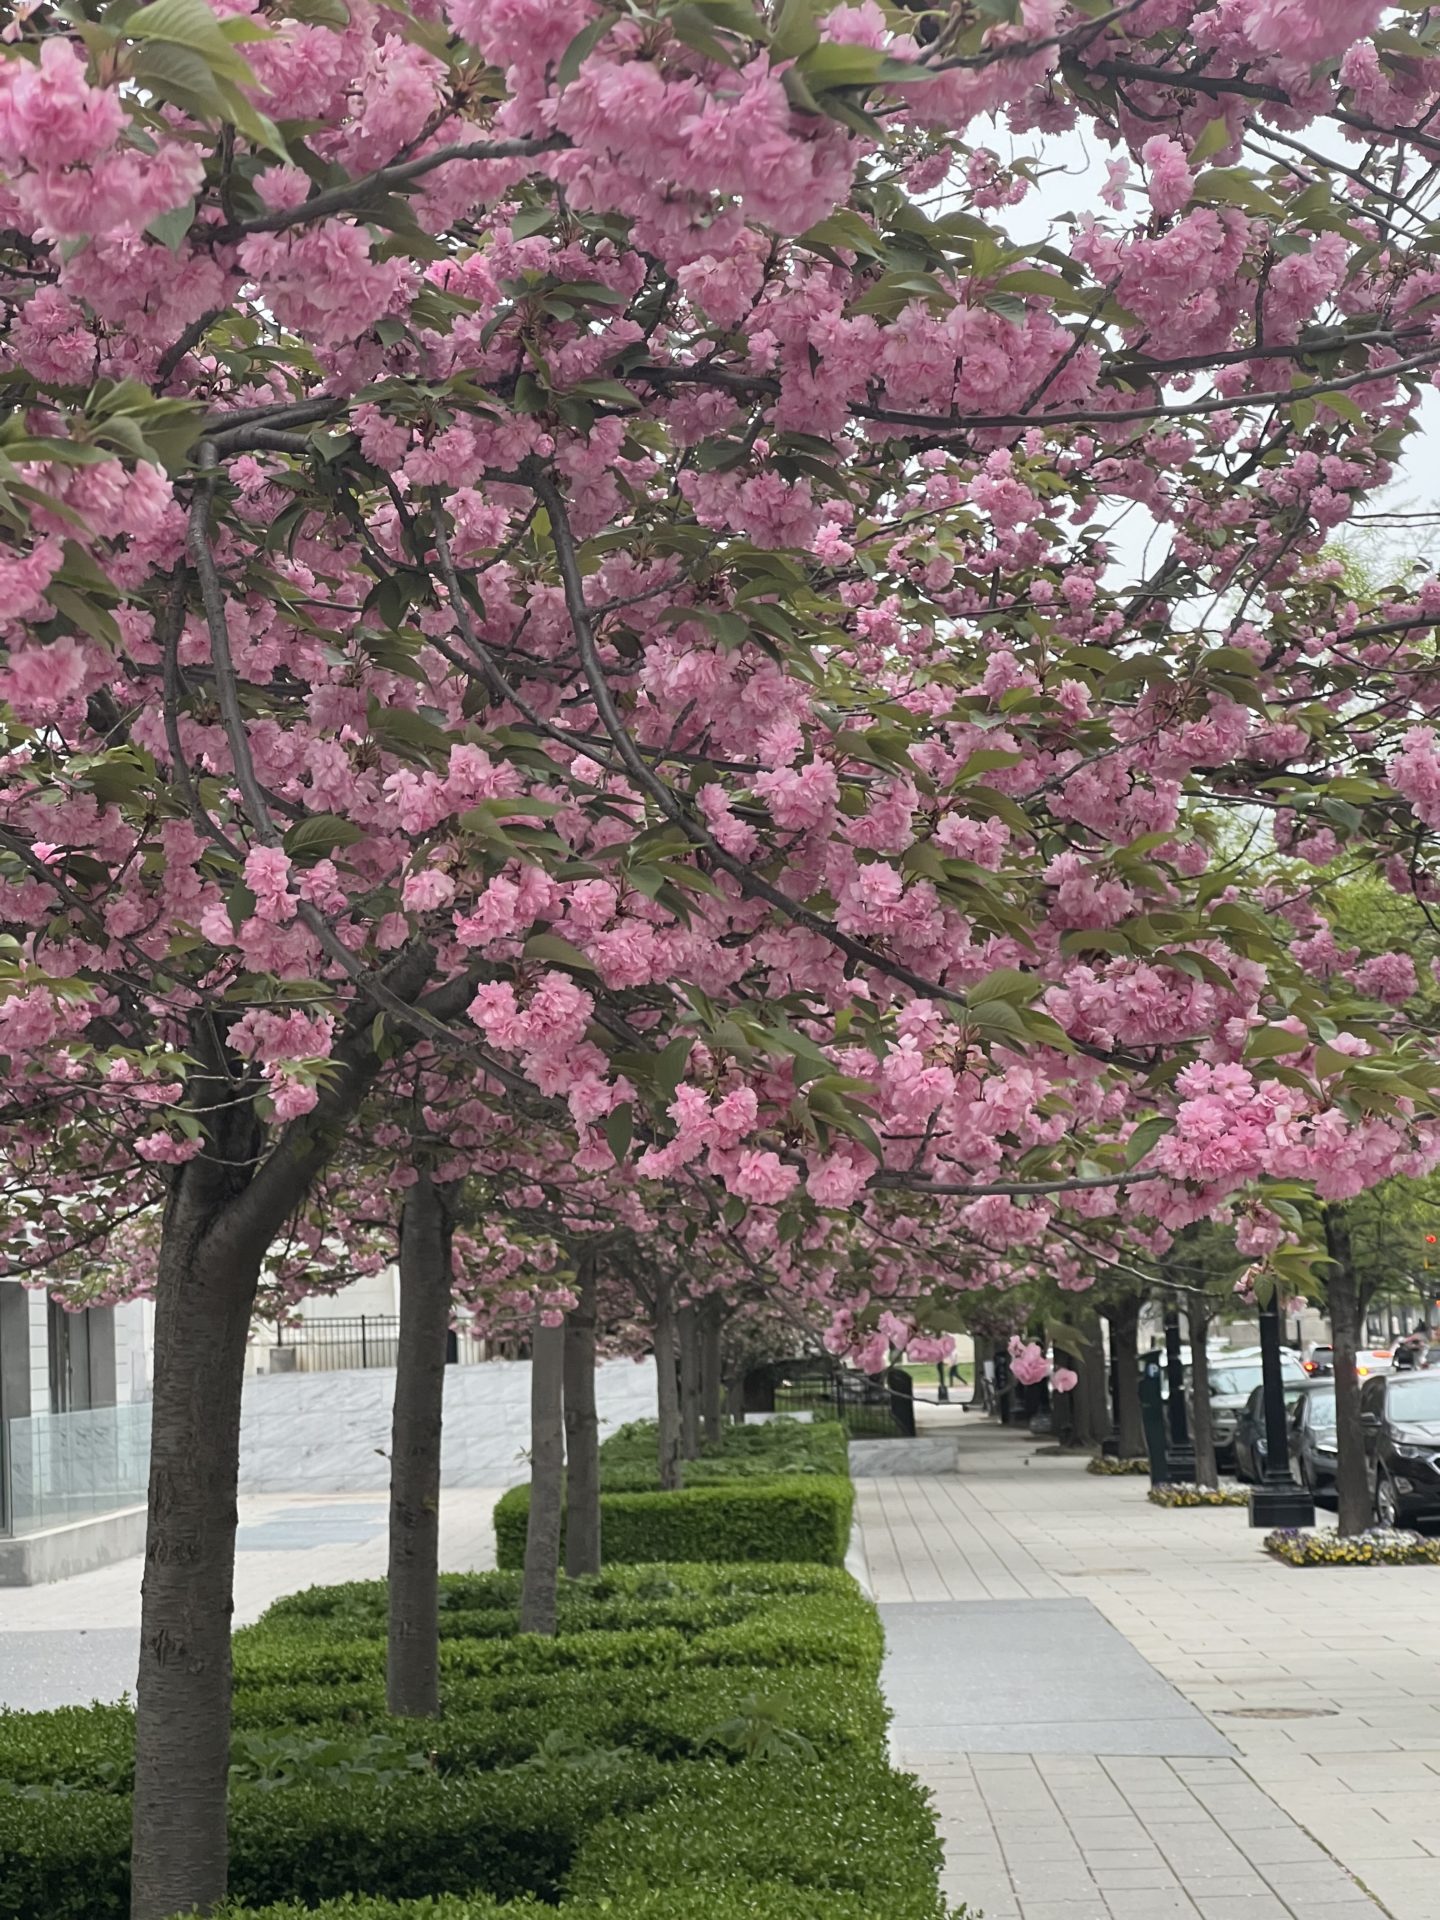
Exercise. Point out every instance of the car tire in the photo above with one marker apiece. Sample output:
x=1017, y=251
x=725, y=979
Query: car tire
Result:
x=1388, y=1510
x=1307, y=1477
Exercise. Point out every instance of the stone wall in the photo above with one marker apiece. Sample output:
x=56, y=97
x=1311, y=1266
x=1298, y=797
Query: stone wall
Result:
x=330, y=1432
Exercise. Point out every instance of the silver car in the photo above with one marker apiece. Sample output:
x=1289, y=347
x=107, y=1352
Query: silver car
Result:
x=1234, y=1376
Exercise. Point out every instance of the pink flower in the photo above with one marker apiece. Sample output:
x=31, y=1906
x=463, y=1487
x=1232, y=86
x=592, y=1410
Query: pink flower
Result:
x=425, y=891
x=1171, y=181
x=1063, y=1380
x=267, y=874
x=763, y=1177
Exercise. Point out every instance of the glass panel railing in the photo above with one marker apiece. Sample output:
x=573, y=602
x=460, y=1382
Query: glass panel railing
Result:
x=71, y=1466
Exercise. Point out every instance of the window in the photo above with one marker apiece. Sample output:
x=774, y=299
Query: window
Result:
x=69, y=1360
x=1415, y=1398
x=1372, y=1395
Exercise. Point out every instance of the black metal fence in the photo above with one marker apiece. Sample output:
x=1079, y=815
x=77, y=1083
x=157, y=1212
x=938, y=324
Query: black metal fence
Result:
x=334, y=1344
x=879, y=1406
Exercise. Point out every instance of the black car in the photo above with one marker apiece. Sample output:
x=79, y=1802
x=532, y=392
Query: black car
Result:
x=1249, y=1442
x=1312, y=1438
x=1401, y=1416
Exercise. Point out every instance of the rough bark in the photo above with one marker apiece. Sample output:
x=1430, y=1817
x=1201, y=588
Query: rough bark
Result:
x=1351, y=1479
x=582, y=1432
x=412, y=1671
x=667, y=1387
x=687, y=1328
x=222, y=1212
x=182, y=1717
x=1207, y=1473
x=1125, y=1351
x=712, y=1369
x=547, y=1478
x=1093, y=1411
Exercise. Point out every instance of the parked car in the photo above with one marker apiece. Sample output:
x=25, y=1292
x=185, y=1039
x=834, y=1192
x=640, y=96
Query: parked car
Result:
x=1400, y=1413
x=1318, y=1359
x=1374, y=1360
x=1312, y=1437
x=1250, y=1438
x=1233, y=1378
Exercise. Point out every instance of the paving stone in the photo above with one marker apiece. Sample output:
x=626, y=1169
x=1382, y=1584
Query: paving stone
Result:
x=1172, y=1803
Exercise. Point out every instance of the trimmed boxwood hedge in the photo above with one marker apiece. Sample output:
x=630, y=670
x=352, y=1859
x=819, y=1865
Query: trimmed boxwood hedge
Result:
x=797, y=1519
x=723, y=1762
x=65, y=1855
x=693, y=1900
x=776, y=1492
x=630, y=1457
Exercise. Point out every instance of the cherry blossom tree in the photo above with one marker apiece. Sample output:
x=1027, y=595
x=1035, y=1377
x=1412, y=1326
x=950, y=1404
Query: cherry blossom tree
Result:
x=572, y=537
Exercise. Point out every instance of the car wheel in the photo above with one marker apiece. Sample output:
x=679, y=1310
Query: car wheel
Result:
x=1387, y=1501
x=1307, y=1477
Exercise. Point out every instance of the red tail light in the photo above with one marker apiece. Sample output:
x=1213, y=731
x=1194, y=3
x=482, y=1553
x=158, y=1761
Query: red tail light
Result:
x=1309, y=1365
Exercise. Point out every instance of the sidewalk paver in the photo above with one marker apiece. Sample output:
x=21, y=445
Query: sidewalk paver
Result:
x=76, y=1640
x=1326, y=1805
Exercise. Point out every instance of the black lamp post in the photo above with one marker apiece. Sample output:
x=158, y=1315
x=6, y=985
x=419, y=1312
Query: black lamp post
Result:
x=1179, y=1449
x=1277, y=1501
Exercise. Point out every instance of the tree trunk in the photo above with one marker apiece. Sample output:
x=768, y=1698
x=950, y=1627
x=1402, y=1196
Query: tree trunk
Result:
x=667, y=1387
x=547, y=1476
x=1093, y=1411
x=687, y=1326
x=582, y=1431
x=203, y=1302
x=412, y=1672
x=712, y=1369
x=1207, y=1472
x=1351, y=1479
x=223, y=1210
x=1125, y=1351
x=1065, y=1413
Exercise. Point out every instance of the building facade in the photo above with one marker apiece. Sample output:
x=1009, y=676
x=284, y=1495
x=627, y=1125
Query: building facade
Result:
x=74, y=1431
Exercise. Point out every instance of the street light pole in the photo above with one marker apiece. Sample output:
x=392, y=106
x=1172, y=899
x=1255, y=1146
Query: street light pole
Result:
x=1181, y=1453
x=1277, y=1501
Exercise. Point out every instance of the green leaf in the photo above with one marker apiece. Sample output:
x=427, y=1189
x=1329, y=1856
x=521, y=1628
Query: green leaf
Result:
x=580, y=49
x=191, y=24
x=550, y=946
x=619, y=1129
x=1005, y=983
x=1145, y=1137
x=83, y=612
x=171, y=228
x=319, y=835
x=1217, y=134
x=669, y=1067
x=1270, y=1043
x=795, y=31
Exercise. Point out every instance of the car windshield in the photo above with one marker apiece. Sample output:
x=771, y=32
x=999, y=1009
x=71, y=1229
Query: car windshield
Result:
x=1228, y=1380
x=1414, y=1399
x=1322, y=1411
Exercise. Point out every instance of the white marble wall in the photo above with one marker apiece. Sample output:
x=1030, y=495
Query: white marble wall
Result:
x=330, y=1432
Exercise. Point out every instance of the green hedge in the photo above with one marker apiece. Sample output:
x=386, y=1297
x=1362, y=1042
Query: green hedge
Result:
x=797, y=1519
x=630, y=1458
x=316, y=1660
x=695, y=1900
x=723, y=1762
x=64, y=1855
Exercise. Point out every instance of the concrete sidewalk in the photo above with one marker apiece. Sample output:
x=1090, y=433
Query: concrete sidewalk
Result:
x=76, y=1641
x=1069, y=1789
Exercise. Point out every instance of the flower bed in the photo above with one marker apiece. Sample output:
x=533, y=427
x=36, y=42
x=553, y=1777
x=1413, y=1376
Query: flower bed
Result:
x=1377, y=1547
x=1187, y=1496
x=1102, y=1463
x=697, y=1740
